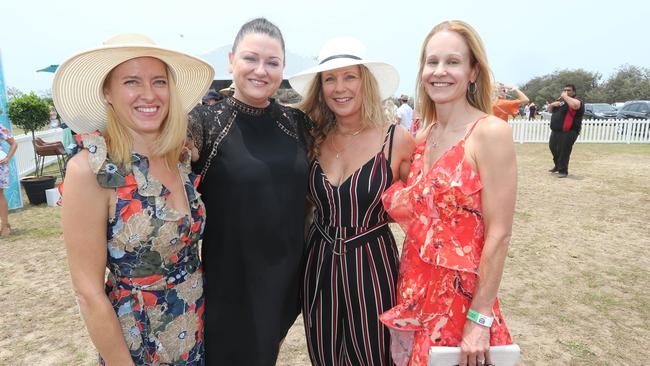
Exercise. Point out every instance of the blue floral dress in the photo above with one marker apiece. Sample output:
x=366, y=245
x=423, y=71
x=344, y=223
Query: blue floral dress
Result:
x=155, y=279
x=4, y=168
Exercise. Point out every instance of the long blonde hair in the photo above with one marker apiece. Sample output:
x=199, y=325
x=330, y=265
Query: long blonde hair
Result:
x=478, y=96
x=169, y=143
x=313, y=104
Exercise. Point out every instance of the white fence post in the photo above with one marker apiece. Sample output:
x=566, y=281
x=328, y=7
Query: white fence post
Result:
x=593, y=131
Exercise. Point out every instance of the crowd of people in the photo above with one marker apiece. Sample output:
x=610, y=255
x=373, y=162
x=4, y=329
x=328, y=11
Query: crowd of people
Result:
x=220, y=224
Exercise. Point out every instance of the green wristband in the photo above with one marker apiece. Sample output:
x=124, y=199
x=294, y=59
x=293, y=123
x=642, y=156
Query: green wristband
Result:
x=479, y=318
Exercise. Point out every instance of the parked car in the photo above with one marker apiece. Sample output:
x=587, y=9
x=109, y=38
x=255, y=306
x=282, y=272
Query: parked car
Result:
x=599, y=111
x=635, y=109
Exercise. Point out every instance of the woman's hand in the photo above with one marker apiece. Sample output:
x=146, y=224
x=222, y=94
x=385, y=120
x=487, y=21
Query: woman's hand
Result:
x=475, y=345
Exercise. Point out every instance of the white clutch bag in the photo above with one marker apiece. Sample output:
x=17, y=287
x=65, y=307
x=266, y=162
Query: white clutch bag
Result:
x=2, y=154
x=499, y=355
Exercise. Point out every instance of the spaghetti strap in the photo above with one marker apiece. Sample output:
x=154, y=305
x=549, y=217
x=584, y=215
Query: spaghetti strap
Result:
x=389, y=137
x=471, y=128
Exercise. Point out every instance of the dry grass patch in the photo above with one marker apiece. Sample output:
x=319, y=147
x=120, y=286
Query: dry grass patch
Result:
x=573, y=291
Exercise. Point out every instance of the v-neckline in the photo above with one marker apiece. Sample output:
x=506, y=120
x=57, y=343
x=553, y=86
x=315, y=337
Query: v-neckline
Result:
x=329, y=182
x=165, y=192
x=423, y=145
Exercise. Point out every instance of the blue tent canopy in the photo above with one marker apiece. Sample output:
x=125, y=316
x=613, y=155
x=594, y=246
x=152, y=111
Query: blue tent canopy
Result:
x=51, y=68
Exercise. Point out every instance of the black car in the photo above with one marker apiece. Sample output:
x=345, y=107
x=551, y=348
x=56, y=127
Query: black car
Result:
x=636, y=109
x=599, y=111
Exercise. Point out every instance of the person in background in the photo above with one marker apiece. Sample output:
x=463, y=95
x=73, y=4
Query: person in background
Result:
x=228, y=91
x=5, y=158
x=504, y=107
x=532, y=111
x=251, y=153
x=456, y=208
x=213, y=97
x=566, y=123
x=352, y=259
x=405, y=113
x=390, y=110
x=129, y=200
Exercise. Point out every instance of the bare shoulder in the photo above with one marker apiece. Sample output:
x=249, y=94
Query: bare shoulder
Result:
x=79, y=164
x=492, y=129
x=79, y=175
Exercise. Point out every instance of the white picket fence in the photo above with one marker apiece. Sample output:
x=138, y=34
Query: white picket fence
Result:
x=593, y=131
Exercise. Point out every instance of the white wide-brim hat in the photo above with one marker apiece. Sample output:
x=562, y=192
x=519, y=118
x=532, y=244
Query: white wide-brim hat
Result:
x=343, y=52
x=78, y=82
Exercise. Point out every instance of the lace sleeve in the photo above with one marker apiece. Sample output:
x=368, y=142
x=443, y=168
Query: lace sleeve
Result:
x=195, y=127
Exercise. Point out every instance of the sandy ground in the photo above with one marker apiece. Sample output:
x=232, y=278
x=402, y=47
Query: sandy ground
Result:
x=573, y=291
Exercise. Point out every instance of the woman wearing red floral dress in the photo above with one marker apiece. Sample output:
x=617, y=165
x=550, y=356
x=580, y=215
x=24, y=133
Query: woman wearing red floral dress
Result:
x=456, y=208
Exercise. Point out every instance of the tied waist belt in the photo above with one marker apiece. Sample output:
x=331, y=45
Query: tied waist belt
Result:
x=340, y=246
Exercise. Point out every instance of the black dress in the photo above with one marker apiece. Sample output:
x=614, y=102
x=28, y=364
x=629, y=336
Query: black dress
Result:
x=254, y=190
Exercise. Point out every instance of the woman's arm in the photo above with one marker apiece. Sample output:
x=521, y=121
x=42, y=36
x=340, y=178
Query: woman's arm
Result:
x=493, y=152
x=403, y=146
x=85, y=218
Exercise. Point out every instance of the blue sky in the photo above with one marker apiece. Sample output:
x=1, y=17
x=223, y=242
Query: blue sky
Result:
x=523, y=39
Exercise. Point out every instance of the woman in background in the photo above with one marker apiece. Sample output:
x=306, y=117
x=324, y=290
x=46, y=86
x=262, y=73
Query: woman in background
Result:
x=5, y=158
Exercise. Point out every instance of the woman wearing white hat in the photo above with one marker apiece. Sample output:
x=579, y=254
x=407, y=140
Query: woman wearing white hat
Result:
x=351, y=264
x=252, y=156
x=129, y=202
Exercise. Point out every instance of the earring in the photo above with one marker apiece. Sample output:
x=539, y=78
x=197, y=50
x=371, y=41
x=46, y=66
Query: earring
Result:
x=472, y=87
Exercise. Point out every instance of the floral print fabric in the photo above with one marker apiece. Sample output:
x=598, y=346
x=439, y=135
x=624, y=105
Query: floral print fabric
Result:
x=440, y=212
x=155, y=282
x=4, y=168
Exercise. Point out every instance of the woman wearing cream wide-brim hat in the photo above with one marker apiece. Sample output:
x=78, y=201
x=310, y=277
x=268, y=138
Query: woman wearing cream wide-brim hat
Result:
x=352, y=260
x=129, y=201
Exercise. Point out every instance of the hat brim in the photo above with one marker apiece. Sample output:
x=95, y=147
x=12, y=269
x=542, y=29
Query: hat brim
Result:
x=77, y=86
x=386, y=75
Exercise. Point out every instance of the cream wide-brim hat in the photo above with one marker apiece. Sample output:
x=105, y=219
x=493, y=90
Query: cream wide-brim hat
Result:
x=342, y=52
x=77, y=86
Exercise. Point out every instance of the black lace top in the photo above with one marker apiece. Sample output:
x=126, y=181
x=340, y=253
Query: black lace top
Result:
x=206, y=123
x=254, y=190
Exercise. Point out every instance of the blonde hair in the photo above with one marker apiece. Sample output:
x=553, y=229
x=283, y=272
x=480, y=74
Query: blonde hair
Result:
x=389, y=110
x=481, y=98
x=313, y=104
x=169, y=143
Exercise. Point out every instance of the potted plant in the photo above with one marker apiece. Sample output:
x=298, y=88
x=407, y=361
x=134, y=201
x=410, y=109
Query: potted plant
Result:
x=32, y=113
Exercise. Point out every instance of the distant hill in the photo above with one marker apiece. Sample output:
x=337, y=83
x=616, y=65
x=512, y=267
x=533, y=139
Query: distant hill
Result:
x=218, y=58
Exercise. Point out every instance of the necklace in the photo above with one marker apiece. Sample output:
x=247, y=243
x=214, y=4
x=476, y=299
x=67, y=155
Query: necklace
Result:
x=430, y=140
x=339, y=152
x=350, y=134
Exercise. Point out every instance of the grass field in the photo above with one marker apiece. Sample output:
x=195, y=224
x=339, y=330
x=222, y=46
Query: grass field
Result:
x=573, y=291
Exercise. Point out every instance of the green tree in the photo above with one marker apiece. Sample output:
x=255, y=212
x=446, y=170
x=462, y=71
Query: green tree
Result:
x=30, y=113
x=628, y=83
x=548, y=88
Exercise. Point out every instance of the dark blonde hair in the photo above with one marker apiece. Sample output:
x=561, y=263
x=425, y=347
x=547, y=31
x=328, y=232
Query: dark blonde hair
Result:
x=313, y=104
x=170, y=141
x=480, y=98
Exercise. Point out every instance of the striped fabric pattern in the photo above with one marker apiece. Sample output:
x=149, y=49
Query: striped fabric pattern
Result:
x=348, y=284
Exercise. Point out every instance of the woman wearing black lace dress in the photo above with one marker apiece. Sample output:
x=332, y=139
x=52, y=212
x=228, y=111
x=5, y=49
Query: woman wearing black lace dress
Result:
x=252, y=156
